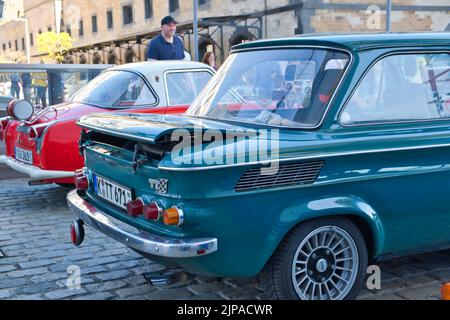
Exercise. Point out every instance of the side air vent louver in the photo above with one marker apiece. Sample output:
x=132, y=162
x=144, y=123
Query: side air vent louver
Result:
x=299, y=173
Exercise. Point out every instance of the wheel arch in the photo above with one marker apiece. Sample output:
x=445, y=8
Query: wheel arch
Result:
x=354, y=209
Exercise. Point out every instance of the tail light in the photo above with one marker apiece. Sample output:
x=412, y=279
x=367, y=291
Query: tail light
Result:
x=36, y=132
x=135, y=208
x=3, y=124
x=81, y=180
x=445, y=291
x=152, y=211
x=173, y=216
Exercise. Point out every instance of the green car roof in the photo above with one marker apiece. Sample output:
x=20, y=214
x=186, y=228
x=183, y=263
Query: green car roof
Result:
x=356, y=42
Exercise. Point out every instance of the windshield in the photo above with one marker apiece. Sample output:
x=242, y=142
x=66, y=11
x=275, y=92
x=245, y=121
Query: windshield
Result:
x=116, y=89
x=289, y=87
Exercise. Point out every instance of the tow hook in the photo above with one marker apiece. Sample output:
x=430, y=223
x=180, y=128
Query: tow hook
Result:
x=77, y=232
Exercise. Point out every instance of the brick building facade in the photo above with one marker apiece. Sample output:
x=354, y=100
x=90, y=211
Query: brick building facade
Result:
x=117, y=31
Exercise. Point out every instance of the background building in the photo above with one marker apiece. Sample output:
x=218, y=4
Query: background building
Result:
x=118, y=31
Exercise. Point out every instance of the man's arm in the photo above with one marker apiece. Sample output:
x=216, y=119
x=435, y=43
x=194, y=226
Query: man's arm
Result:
x=152, y=53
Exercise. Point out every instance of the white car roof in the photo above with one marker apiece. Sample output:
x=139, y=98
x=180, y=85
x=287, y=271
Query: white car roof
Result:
x=161, y=66
x=155, y=72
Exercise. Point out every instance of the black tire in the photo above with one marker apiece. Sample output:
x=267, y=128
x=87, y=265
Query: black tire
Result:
x=277, y=275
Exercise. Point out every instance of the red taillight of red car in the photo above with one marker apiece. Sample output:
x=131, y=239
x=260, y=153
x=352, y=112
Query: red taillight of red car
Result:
x=135, y=208
x=3, y=124
x=81, y=180
x=152, y=211
x=36, y=132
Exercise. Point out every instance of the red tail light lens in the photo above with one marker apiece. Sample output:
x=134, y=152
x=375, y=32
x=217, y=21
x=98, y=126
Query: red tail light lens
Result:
x=152, y=211
x=135, y=208
x=36, y=132
x=81, y=182
x=3, y=124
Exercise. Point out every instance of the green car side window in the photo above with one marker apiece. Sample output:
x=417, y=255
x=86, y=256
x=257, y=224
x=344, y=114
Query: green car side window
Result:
x=408, y=87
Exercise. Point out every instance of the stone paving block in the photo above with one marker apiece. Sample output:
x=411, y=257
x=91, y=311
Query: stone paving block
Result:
x=26, y=272
x=13, y=283
x=425, y=292
x=5, y=293
x=64, y=293
x=113, y=275
x=96, y=296
x=106, y=286
x=139, y=290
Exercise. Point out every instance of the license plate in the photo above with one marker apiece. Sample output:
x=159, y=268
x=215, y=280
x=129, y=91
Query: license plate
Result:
x=24, y=155
x=112, y=192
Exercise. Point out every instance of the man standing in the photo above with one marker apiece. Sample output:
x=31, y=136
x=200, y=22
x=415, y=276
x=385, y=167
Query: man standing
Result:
x=15, y=86
x=166, y=46
x=26, y=85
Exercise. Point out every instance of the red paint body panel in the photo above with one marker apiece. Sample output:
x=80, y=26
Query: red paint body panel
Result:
x=57, y=149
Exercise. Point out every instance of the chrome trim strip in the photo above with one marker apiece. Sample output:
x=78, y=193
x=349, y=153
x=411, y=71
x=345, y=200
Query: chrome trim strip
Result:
x=34, y=172
x=136, y=238
x=166, y=87
x=316, y=156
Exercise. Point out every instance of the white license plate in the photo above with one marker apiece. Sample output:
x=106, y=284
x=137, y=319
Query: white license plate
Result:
x=112, y=192
x=24, y=155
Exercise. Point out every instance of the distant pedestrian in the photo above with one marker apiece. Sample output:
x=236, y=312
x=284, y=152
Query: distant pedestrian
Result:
x=210, y=59
x=40, y=83
x=26, y=85
x=15, y=85
x=166, y=46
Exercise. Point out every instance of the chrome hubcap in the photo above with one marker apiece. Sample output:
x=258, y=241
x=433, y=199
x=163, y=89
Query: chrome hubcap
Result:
x=322, y=265
x=325, y=265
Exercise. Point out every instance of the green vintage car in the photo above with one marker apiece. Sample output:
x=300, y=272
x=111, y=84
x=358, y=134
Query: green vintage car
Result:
x=304, y=160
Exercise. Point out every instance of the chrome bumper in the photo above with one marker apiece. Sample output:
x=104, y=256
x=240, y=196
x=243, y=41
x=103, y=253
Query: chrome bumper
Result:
x=34, y=172
x=138, y=239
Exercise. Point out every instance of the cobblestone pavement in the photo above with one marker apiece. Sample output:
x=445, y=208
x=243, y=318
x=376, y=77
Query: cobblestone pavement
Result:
x=35, y=253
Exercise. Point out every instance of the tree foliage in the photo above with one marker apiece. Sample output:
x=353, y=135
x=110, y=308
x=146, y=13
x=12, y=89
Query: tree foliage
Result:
x=55, y=45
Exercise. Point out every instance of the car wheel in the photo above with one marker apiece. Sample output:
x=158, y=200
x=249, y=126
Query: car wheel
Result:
x=323, y=259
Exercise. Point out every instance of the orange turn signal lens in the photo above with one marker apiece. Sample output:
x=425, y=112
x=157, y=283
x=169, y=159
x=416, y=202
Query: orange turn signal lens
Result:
x=445, y=291
x=173, y=216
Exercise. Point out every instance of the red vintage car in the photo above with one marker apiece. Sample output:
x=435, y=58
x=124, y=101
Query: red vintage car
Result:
x=44, y=144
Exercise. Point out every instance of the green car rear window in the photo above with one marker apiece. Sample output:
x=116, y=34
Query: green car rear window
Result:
x=279, y=87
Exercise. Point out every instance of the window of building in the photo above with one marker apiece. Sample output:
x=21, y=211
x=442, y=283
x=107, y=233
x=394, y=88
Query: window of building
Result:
x=109, y=19
x=9, y=45
x=40, y=31
x=49, y=29
x=148, y=6
x=80, y=28
x=4, y=47
x=69, y=29
x=409, y=87
x=31, y=39
x=174, y=5
x=94, y=23
x=127, y=14
x=202, y=2
x=23, y=44
x=17, y=45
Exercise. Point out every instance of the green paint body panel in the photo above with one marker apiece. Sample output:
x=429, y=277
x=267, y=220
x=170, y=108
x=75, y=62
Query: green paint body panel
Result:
x=393, y=178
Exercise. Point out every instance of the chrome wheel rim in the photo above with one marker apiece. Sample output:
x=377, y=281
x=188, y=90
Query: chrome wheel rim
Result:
x=325, y=265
